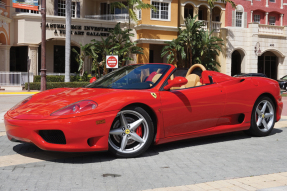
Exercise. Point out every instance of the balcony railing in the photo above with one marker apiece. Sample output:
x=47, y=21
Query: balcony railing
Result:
x=2, y=5
x=205, y=25
x=110, y=17
x=271, y=30
x=216, y=26
x=14, y=78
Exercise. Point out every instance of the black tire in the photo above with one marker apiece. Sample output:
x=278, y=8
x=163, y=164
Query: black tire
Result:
x=260, y=130
x=147, y=131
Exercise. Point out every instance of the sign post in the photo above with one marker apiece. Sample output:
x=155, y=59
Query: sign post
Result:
x=112, y=61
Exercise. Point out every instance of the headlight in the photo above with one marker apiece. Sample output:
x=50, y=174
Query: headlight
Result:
x=78, y=107
x=21, y=103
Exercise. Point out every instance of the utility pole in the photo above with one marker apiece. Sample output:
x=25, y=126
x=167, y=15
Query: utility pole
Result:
x=68, y=41
x=43, y=47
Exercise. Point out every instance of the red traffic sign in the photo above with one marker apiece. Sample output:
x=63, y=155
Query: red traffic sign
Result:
x=112, y=62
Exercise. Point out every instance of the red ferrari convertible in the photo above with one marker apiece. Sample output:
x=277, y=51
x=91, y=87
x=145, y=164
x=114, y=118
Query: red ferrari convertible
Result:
x=135, y=106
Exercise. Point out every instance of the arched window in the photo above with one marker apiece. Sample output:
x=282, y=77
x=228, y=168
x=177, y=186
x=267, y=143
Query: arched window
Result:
x=239, y=17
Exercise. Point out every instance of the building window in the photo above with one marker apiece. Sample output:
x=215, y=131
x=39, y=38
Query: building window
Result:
x=62, y=8
x=238, y=19
x=140, y=14
x=272, y=1
x=272, y=20
x=162, y=11
x=27, y=11
x=257, y=18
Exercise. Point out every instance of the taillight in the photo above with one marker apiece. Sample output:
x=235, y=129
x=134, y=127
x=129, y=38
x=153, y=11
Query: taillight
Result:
x=21, y=103
x=77, y=107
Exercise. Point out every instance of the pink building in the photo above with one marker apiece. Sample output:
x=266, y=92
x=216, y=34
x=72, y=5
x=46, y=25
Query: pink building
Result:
x=256, y=37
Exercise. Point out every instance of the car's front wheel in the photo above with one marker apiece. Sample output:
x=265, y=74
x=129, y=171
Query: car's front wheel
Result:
x=131, y=133
x=263, y=117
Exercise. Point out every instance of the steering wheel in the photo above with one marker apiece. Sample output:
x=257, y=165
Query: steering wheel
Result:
x=193, y=67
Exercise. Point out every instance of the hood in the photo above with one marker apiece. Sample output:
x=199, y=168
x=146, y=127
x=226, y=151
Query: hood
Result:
x=43, y=104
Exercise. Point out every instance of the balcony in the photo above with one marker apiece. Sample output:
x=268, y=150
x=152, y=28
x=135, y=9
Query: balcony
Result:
x=216, y=26
x=110, y=17
x=270, y=30
x=2, y=5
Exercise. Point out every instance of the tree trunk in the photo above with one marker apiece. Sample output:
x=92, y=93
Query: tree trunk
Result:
x=68, y=41
x=99, y=73
x=210, y=20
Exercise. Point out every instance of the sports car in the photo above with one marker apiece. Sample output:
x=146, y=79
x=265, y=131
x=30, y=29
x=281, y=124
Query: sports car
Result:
x=138, y=105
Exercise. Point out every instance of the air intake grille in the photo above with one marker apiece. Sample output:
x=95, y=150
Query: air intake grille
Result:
x=53, y=136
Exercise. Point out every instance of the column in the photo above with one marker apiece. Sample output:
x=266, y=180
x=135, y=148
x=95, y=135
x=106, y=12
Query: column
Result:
x=281, y=19
x=266, y=18
x=267, y=1
x=195, y=12
x=209, y=22
x=251, y=19
x=5, y=57
x=281, y=7
x=181, y=16
x=33, y=55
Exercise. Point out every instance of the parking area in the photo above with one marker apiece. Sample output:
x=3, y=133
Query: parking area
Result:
x=189, y=162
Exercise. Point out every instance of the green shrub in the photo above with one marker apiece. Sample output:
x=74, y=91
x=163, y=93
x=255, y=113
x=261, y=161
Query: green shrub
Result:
x=50, y=78
x=52, y=85
x=76, y=78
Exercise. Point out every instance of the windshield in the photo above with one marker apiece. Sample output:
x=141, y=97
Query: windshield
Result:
x=132, y=77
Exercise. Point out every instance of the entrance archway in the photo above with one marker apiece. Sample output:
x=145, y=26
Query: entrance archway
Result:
x=268, y=65
x=236, y=61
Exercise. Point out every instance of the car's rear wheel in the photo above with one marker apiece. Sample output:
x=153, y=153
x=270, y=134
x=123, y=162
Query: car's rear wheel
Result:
x=131, y=133
x=263, y=117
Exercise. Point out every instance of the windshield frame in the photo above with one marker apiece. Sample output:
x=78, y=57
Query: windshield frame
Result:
x=168, y=66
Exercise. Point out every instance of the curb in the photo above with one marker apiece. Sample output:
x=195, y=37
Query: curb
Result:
x=18, y=93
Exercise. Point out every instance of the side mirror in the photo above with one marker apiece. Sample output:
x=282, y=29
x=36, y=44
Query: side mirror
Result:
x=93, y=79
x=176, y=82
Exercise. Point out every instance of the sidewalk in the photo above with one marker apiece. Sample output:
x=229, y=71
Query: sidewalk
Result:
x=23, y=92
x=269, y=182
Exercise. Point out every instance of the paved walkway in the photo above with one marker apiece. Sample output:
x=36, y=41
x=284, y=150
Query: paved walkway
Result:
x=230, y=161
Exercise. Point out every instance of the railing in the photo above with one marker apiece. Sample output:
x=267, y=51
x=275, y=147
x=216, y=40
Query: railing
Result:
x=205, y=25
x=14, y=78
x=271, y=30
x=57, y=74
x=2, y=5
x=109, y=17
x=216, y=26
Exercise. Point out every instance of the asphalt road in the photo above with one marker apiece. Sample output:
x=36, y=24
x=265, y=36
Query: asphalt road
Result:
x=220, y=157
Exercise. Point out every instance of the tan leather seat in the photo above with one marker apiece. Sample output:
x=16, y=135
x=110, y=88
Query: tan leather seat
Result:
x=155, y=78
x=192, y=80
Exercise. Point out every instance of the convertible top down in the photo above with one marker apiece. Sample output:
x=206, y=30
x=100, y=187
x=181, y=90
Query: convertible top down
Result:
x=135, y=106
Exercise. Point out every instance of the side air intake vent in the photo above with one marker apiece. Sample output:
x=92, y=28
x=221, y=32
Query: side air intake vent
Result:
x=53, y=136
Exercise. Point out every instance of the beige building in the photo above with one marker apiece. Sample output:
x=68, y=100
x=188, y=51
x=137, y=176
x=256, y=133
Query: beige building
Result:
x=90, y=20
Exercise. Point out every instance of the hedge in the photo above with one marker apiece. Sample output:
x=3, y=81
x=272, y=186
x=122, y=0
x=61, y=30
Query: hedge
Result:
x=52, y=85
x=60, y=78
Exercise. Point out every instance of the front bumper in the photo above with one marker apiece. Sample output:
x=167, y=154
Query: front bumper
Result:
x=82, y=134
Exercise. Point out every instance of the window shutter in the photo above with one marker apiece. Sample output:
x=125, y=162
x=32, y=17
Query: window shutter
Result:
x=56, y=7
x=233, y=18
x=245, y=19
x=78, y=9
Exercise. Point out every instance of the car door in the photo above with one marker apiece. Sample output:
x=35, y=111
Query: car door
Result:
x=191, y=110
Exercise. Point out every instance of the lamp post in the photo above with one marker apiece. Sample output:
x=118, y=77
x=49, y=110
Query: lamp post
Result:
x=43, y=47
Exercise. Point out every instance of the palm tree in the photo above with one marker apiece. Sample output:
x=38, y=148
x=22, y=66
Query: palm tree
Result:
x=209, y=49
x=80, y=57
x=68, y=41
x=122, y=44
x=190, y=38
x=211, y=5
x=172, y=49
x=132, y=6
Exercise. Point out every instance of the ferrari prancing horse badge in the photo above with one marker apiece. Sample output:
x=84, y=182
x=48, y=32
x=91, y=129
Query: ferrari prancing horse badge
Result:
x=154, y=95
